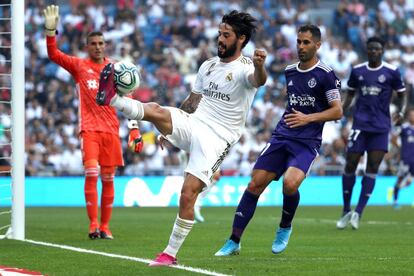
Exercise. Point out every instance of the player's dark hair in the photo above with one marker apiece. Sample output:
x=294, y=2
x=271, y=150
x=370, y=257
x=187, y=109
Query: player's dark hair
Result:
x=376, y=39
x=313, y=29
x=91, y=34
x=242, y=23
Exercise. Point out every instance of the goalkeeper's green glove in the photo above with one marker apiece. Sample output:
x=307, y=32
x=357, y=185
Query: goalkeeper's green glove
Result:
x=135, y=143
x=51, y=14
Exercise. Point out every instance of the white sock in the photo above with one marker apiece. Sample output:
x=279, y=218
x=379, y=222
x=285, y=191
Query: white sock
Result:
x=180, y=231
x=131, y=108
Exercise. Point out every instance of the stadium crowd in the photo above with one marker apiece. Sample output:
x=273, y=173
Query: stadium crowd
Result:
x=168, y=40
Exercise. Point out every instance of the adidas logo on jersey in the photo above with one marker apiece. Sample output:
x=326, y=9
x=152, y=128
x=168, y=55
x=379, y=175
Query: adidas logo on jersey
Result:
x=290, y=83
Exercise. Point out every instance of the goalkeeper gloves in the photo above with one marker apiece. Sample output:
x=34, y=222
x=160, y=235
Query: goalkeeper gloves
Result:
x=51, y=15
x=135, y=143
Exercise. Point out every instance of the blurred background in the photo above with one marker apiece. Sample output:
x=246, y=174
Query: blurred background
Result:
x=168, y=40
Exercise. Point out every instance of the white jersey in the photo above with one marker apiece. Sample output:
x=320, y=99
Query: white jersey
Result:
x=227, y=95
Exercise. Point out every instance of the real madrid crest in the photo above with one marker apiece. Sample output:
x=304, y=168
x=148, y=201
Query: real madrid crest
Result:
x=312, y=83
x=229, y=77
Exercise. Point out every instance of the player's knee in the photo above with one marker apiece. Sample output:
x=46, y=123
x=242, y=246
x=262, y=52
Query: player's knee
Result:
x=290, y=186
x=154, y=111
x=187, y=199
x=372, y=168
x=255, y=187
x=350, y=168
x=91, y=171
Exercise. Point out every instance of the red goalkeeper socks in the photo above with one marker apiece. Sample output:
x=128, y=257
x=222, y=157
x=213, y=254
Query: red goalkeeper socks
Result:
x=107, y=200
x=91, y=198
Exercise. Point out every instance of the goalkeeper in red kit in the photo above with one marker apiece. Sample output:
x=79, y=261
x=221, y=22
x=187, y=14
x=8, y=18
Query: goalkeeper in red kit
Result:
x=98, y=125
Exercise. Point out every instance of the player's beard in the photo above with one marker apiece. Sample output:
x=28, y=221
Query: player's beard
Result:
x=304, y=57
x=228, y=51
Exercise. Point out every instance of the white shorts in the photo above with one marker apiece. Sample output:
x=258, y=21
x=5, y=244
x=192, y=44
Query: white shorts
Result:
x=207, y=150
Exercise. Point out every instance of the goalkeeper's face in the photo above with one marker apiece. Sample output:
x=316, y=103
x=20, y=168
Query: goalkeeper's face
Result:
x=96, y=48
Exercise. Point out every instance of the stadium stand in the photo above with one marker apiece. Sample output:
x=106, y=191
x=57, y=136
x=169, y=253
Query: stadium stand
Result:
x=168, y=40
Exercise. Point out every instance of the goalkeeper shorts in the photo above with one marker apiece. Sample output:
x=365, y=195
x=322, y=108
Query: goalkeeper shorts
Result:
x=101, y=146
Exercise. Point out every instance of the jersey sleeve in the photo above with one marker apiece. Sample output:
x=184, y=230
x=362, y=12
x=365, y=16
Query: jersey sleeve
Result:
x=398, y=83
x=249, y=70
x=332, y=87
x=198, y=84
x=70, y=63
x=352, y=81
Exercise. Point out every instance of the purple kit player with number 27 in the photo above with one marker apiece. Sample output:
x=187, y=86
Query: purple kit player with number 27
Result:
x=313, y=98
x=373, y=82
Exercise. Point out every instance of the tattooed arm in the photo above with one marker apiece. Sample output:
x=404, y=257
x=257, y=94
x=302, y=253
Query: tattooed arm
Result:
x=190, y=104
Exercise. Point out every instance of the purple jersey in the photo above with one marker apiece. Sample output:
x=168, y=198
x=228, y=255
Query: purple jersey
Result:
x=407, y=143
x=374, y=88
x=309, y=91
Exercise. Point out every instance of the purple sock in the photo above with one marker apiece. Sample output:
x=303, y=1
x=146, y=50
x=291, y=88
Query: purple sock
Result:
x=368, y=183
x=290, y=204
x=396, y=191
x=243, y=215
x=348, y=182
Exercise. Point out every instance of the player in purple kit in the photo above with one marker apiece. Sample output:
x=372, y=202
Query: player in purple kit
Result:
x=374, y=82
x=313, y=98
x=406, y=167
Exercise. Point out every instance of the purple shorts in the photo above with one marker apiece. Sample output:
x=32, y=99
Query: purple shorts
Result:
x=361, y=141
x=280, y=154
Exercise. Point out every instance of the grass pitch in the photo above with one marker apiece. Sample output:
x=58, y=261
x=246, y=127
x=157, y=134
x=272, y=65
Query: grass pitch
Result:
x=384, y=244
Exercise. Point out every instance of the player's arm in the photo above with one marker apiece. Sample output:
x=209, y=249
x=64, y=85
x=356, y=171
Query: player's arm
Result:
x=395, y=138
x=401, y=102
x=259, y=76
x=190, y=104
x=297, y=118
x=51, y=16
x=350, y=91
x=349, y=96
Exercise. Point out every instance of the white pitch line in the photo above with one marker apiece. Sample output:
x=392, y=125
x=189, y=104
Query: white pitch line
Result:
x=129, y=258
x=372, y=222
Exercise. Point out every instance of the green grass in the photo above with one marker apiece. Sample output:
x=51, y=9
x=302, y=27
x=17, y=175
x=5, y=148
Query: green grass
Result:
x=316, y=246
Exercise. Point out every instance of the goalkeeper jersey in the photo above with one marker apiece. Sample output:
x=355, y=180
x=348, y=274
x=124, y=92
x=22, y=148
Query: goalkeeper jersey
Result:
x=92, y=117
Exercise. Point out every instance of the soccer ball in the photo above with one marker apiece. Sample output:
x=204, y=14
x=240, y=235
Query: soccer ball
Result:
x=126, y=77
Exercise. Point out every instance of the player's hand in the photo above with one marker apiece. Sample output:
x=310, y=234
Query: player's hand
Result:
x=259, y=57
x=296, y=119
x=51, y=15
x=398, y=118
x=164, y=142
x=135, y=143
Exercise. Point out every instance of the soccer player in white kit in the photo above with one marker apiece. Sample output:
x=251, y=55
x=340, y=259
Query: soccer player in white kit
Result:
x=209, y=121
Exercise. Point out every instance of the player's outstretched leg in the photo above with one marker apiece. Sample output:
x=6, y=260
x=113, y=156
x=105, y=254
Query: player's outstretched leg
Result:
x=282, y=239
x=229, y=248
x=343, y=222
